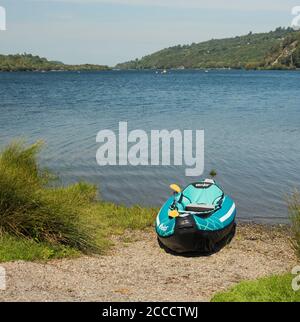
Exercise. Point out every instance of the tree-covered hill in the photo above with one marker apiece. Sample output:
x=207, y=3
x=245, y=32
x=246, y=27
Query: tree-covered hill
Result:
x=279, y=49
x=28, y=62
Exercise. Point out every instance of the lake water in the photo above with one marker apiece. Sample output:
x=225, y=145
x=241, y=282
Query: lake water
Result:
x=251, y=121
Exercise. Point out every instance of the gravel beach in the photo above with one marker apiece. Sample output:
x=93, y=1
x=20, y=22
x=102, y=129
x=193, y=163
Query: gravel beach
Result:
x=140, y=270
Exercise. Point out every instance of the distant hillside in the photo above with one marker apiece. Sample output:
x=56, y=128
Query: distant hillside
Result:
x=28, y=62
x=279, y=49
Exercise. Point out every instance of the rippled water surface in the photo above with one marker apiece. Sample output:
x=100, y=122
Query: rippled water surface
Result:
x=251, y=122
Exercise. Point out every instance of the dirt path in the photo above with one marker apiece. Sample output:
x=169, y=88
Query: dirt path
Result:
x=141, y=271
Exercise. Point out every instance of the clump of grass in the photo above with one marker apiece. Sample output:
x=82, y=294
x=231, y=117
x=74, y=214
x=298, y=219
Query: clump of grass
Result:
x=277, y=288
x=30, y=208
x=294, y=214
x=41, y=221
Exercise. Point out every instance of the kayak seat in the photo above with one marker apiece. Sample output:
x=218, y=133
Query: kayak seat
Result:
x=199, y=207
x=195, y=198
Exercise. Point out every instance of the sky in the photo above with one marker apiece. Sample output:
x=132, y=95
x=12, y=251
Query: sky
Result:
x=112, y=31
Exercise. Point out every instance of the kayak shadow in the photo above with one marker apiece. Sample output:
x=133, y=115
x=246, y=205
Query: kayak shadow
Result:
x=219, y=246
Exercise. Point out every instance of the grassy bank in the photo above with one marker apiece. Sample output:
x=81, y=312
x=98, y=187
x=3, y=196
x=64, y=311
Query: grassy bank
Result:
x=14, y=248
x=39, y=220
x=276, y=288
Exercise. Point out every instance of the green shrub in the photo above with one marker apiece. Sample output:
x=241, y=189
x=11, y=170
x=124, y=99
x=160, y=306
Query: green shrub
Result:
x=277, y=288
x=30, y=208
x=294, y=213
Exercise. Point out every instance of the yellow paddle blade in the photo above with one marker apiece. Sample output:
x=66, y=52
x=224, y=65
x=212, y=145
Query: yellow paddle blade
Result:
x=173, y=213
x=175, y=187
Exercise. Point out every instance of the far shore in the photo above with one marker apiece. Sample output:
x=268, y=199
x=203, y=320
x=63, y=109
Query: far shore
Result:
x=149, y=70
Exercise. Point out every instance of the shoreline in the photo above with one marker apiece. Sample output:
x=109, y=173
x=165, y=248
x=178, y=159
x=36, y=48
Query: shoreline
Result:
x=137, y=269
x=112, y=69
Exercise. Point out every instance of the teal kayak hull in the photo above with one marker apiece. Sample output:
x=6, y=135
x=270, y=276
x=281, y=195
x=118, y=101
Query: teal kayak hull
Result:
x=197, y=232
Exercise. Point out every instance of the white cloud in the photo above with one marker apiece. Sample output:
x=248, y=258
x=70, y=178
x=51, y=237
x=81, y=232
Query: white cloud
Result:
x=255, y=5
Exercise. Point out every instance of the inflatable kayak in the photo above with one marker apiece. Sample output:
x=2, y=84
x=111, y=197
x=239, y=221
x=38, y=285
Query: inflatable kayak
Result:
x=200, y=218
